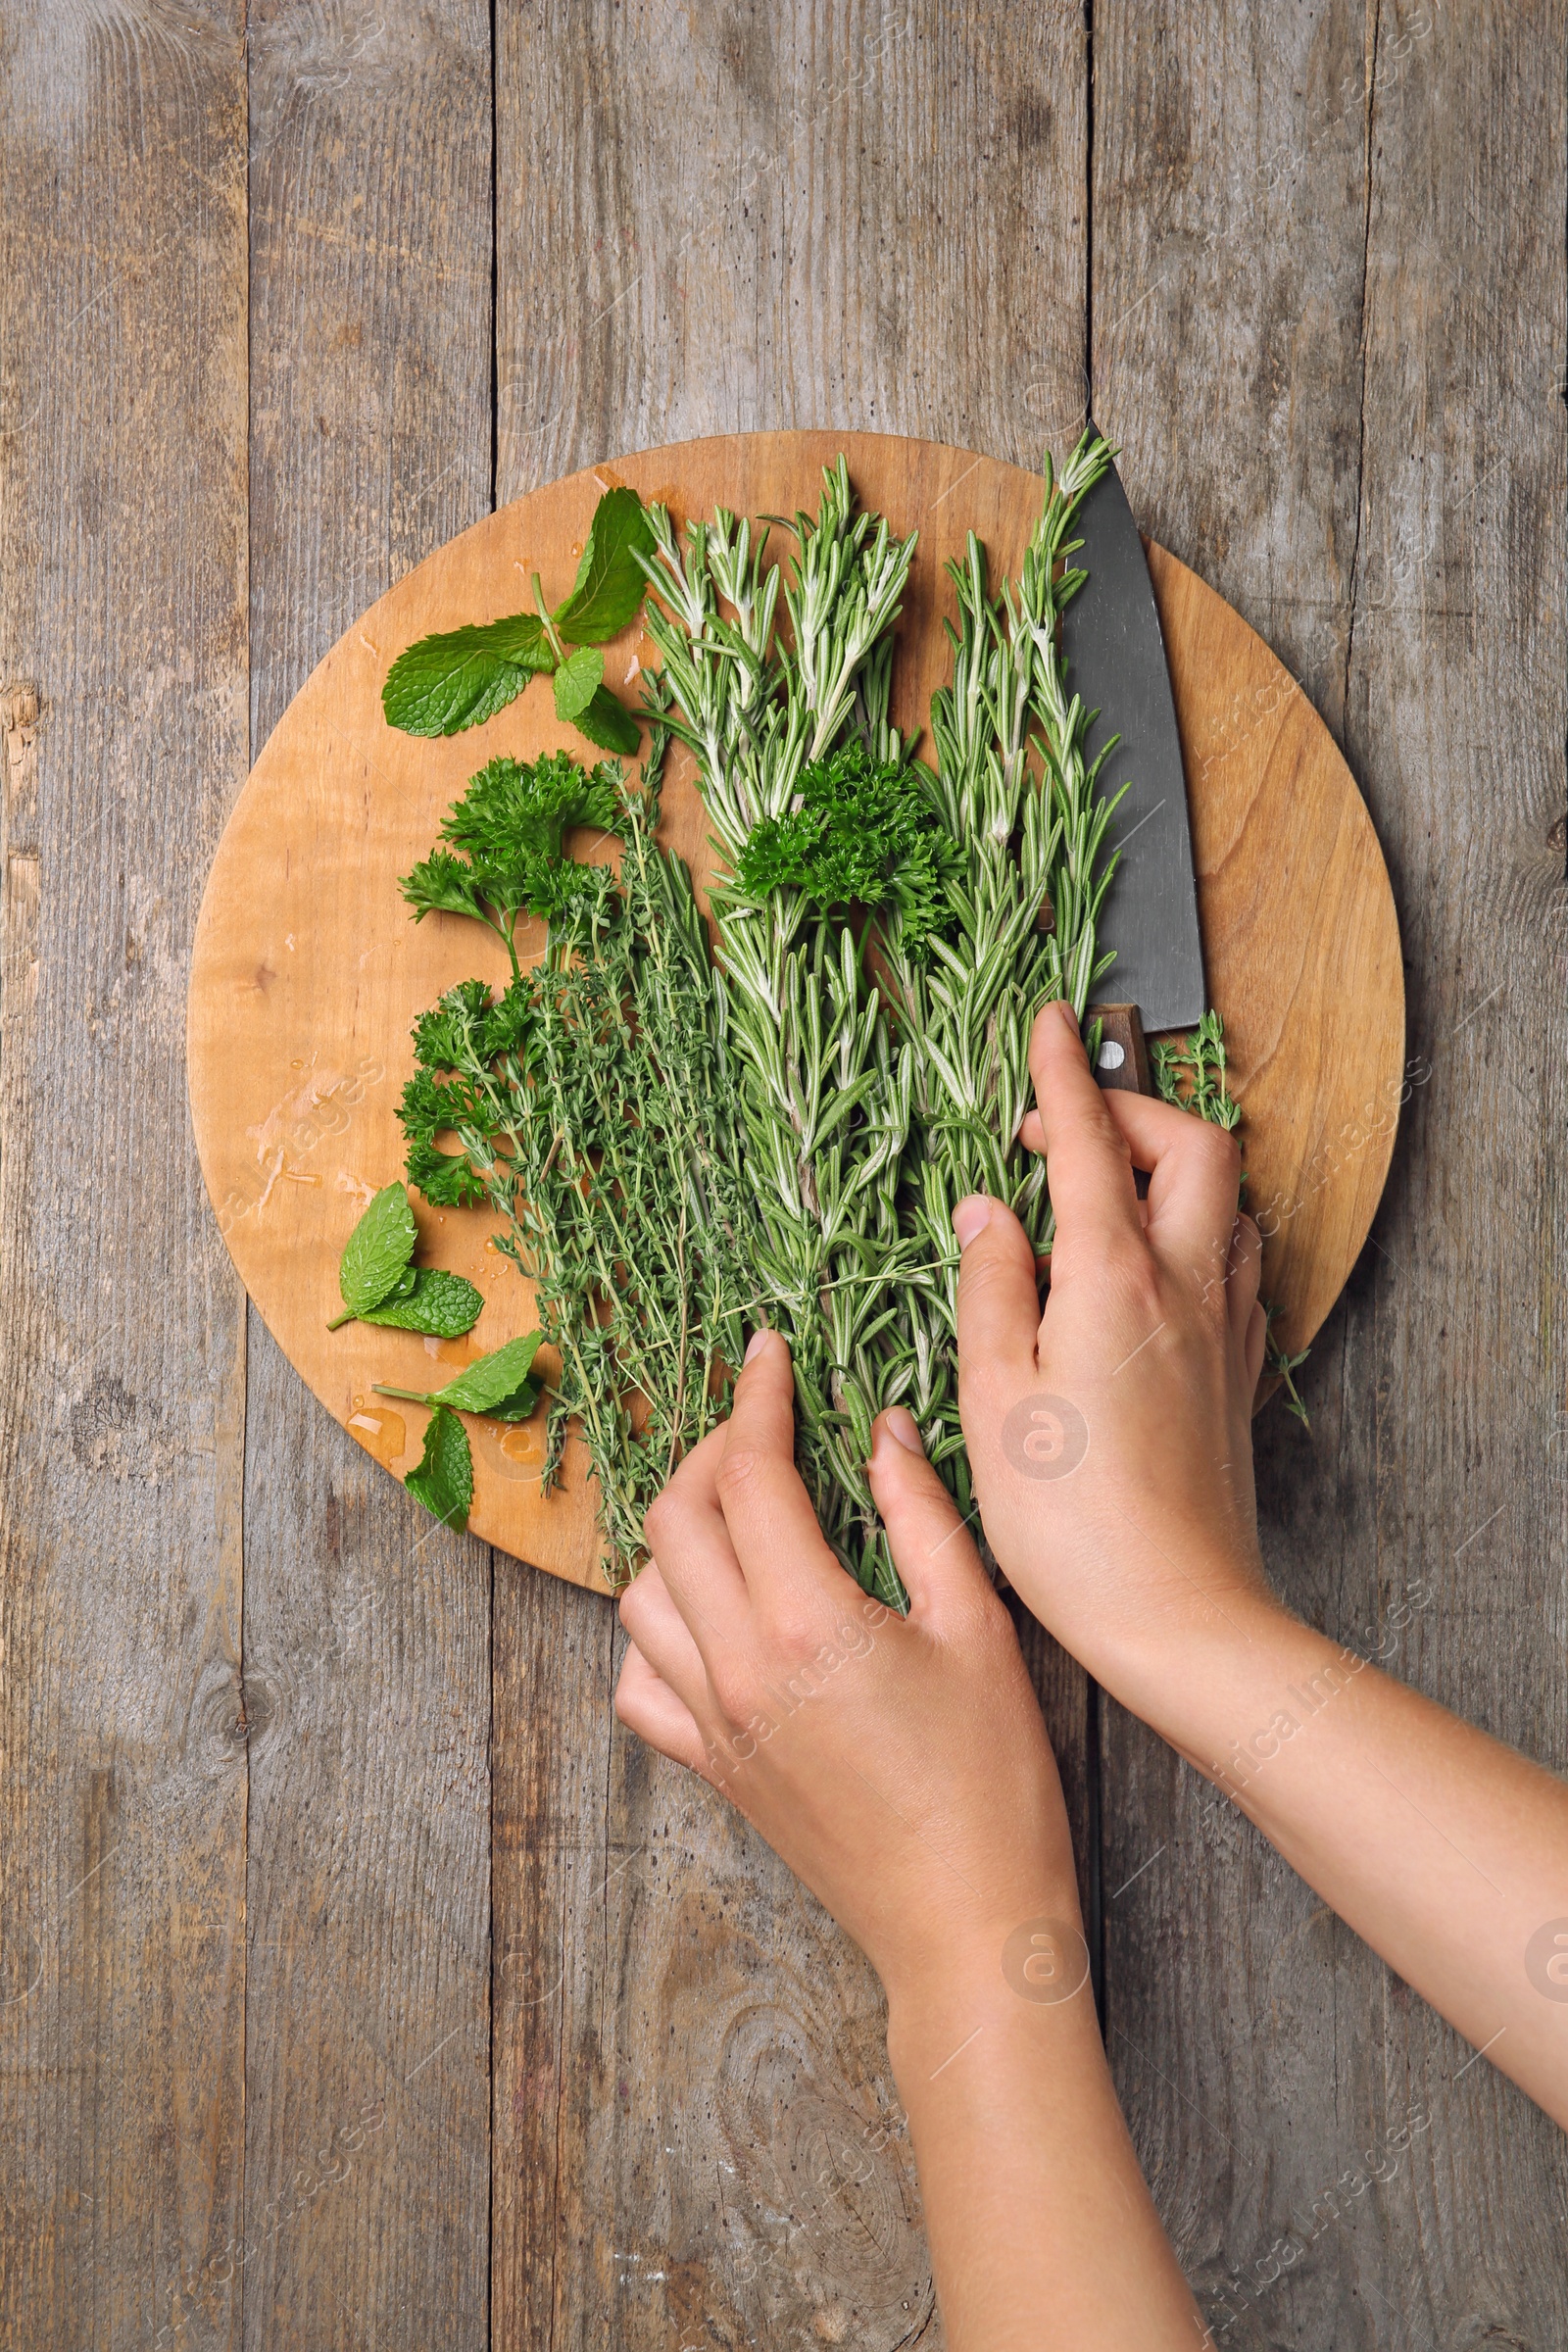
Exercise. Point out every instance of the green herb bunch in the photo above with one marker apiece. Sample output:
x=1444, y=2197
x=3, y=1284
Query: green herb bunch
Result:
x=807, y=787
x=1024, y=826
x=591, y=1107
x=887, y=932
x=684, y=1144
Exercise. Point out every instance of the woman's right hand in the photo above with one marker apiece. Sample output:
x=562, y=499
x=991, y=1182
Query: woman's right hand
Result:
x=1109, y=1437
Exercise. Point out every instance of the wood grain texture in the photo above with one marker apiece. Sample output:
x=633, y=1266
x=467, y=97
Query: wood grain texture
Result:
x=870, y=215
x=1359, y=432
x=308, y=972
x=123, y=546
x=1329, y=328
x=366, y=1631
x=712, y=219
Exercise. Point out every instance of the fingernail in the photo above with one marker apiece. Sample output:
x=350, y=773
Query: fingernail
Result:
x=756, y=1344
x=971, y=1216
x=901, y=1423
x=1069, y=1018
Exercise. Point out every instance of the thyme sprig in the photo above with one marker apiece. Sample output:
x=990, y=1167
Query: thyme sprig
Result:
x=592, y=1110
x=1192, y=1071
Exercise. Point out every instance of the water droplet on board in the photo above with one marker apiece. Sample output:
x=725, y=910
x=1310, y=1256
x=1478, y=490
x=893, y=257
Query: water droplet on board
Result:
x=450, y=1352
x=513, y=1448
x=383, y=1434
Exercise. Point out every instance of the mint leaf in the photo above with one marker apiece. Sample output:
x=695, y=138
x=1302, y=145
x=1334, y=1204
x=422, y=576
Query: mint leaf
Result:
x=442, y=1478
x=578, y=680
x=496, y=1383
x=463, y=677
x=609, y=582
x=442, y=1305
x=500, y=1385
x=609, y=724
x=377, y=1250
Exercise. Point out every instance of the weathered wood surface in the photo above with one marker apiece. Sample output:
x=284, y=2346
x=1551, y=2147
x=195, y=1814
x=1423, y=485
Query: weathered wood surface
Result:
x=1328, y=325
x=366, y=1631
x=1347, y=230
x=122, y=654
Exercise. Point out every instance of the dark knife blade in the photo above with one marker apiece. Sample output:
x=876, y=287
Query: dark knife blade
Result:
x=1115, y=653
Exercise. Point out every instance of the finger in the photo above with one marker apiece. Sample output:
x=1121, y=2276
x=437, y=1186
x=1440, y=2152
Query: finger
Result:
x=647, y=1705
x=1092, y=1188
x=1242, y=1274
x=1032, y=1136
x=999, y=1296
x=766, y=1510
x=932, y=1548
x=1256, y=1346
x=685, y=1533
x=1194, y=1182
x=649, y=1613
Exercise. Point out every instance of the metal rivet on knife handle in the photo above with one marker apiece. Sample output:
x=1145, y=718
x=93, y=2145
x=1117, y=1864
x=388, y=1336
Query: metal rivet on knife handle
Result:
x=1123, y=1058
x=1122, y=1061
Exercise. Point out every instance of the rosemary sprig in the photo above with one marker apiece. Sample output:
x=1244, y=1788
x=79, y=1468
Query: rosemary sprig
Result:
x=1026, y=825
x=824, y=1094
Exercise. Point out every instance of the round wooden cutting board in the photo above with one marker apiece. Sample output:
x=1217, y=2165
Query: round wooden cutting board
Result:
x=308, y=969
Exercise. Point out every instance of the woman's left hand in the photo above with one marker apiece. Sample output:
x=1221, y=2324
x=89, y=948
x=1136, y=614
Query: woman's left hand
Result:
x=899, y=1765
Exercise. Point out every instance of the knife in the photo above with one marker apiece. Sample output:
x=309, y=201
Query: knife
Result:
x=1115, y=654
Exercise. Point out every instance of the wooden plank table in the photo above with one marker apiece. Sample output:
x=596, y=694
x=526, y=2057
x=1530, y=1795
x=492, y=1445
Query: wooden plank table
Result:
x=360, y=1984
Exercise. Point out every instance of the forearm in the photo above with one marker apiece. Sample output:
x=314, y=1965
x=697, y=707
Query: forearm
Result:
x=1446, y=1851
x=1042, y=2229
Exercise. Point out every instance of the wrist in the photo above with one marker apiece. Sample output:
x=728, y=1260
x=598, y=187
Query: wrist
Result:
x=1223, y=1686
x=1012, y=1973
x=1137, y=1612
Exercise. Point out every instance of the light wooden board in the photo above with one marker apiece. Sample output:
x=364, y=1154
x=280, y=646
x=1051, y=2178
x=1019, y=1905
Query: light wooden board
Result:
x=308, y=971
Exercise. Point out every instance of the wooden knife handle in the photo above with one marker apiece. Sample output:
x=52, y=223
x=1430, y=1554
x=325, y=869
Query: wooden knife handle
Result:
x=1123, y=1061
x=1123, y=1055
